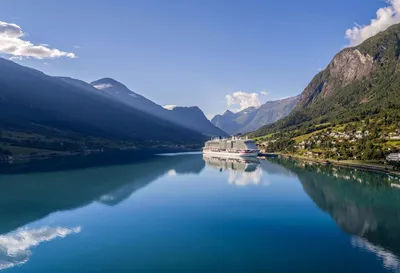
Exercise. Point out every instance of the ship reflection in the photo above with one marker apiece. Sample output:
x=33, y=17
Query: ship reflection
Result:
x=241, y=171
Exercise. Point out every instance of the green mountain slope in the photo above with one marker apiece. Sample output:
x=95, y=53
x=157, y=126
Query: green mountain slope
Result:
x=360, y=82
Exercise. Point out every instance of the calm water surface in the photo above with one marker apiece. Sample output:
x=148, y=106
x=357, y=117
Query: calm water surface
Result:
x=188, y=214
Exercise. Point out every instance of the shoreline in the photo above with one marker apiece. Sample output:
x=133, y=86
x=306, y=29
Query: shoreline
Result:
x=23, y=158
x=361, y=166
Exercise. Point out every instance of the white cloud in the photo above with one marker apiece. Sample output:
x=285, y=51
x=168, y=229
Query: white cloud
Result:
x=11, y=43
x=264, y=93
x=385, y=17
x=15, y=246
x=77, y=46
x=242, y=100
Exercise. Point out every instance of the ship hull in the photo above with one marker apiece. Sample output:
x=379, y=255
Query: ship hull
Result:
x=228, y=154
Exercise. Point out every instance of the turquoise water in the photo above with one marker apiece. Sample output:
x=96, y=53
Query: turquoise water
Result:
x=185, y=214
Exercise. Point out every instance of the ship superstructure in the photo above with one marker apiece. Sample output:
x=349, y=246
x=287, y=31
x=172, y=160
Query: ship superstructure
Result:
x=233, y=147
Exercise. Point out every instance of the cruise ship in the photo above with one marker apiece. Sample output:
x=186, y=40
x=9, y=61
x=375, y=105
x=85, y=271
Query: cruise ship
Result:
x=234, y=147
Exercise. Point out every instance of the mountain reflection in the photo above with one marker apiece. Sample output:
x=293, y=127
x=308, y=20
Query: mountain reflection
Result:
x=25, y=198
x=362, y=204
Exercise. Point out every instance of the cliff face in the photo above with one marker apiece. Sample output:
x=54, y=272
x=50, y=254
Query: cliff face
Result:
x=348, y=66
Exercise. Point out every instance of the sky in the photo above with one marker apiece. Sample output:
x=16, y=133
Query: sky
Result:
x=214, y=54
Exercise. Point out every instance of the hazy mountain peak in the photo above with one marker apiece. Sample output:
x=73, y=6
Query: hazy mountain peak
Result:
x=107, y=81
x=252, y=118
x=248, y=110
x=228, y=113
x=111, y=85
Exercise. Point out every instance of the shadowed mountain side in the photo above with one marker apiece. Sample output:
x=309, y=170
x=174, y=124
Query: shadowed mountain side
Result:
x=361, y=203
x=26, y=198
x=189, y=117
x=33, y=102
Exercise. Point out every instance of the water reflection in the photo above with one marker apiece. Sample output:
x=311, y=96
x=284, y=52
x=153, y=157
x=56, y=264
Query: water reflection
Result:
x=15, y=247
x=241, y=171
x=362, y=204
x=25, y=198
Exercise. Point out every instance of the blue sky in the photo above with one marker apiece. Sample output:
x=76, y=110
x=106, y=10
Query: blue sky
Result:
x=192, y=52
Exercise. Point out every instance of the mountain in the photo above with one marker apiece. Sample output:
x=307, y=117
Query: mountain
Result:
x=35, y=103
x=189, y=117
x=226, y=122
x=252, y=118
x=193, y=118
x=360, y=82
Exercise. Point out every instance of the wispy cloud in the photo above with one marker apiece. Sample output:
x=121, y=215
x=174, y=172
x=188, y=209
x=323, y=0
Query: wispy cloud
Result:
x=13, y=44
x=385, y=17
x=77, y=46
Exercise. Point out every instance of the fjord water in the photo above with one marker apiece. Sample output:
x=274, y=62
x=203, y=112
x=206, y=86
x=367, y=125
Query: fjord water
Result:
x=184, y=213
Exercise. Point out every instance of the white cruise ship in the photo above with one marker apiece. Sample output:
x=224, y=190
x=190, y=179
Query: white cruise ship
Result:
x=234, y=147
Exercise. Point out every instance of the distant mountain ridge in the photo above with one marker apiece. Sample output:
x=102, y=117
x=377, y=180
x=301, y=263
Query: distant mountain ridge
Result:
x=31, y=101
x=189, y=117
x=252, y=118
